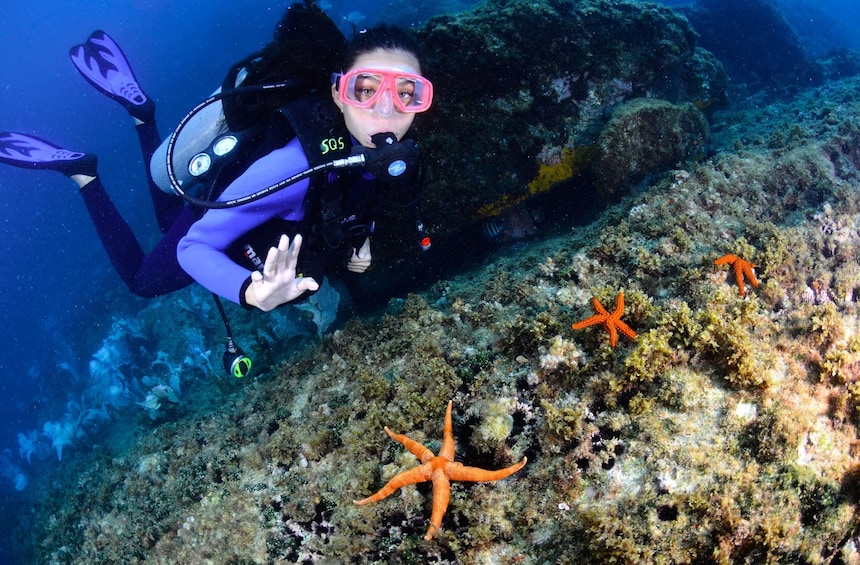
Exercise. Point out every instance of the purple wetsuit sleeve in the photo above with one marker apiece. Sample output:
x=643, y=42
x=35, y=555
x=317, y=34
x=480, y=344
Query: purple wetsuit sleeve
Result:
x=202, y=251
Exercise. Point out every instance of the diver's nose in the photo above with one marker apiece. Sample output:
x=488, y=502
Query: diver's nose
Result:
x=385, y=106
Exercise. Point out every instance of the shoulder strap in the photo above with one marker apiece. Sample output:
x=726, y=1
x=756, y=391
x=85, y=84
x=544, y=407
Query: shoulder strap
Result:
x=316, y=122
x=321, y=131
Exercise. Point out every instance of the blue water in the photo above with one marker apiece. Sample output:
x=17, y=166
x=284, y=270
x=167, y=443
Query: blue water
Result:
x=57, y=287
x=54, y=270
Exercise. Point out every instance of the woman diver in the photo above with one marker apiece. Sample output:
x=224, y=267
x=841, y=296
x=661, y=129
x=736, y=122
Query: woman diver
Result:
x=273, y=219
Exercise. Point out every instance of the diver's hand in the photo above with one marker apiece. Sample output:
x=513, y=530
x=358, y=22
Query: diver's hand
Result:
x=277, y=284
x=360, y=260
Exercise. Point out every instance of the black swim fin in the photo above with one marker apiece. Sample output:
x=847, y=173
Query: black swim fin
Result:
x=103, y=64
x=29, y=152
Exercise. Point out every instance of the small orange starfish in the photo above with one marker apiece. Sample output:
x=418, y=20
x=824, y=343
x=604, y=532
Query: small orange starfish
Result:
x=441, y=469
x=742, y=268
x=612, y=322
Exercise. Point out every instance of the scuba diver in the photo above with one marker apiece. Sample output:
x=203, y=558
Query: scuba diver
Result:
x=275, y=178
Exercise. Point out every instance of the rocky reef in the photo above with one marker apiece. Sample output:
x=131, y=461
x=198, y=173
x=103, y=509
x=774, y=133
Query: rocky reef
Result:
x=724, y=432
x=645, y=136
x=758, y=47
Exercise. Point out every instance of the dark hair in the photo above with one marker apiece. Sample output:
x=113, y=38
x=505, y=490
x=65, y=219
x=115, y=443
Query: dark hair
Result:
x=305, y=48
x=380, y=37
x=305, y=45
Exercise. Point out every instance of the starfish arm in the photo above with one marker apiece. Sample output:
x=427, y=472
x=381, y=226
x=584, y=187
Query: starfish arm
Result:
x=619, y=304
x=727, y=259
x=590, y=321
x=441, y=497
x=415, y=448
x=598, y=307
x=613, y=334
x=448, y=446
x=749, y=271
x=460, y=472
x=625, y=329
x=409, y=477
x=739, y=279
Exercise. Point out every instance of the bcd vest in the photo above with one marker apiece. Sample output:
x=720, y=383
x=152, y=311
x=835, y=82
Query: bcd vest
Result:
x=339, y=206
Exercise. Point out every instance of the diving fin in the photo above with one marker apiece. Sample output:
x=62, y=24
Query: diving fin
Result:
x=29, y=152
x=103, y=64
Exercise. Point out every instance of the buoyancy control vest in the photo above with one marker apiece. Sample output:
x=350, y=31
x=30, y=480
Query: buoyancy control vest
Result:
x=340, y=206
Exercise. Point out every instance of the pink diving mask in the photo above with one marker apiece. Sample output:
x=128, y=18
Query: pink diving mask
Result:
x=365, y=88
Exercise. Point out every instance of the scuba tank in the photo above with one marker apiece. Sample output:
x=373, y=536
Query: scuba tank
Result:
x=228, y=128
x=195, y=150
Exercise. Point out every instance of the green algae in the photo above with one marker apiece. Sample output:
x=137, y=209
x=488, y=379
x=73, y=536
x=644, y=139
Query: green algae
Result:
x=637, y=454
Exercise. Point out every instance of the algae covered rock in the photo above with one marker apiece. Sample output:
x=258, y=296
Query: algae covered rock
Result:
x=726, y=432
x=645, y=136
x=524, y=88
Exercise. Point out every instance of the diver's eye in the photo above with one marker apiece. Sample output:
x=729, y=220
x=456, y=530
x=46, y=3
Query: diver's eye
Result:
x=364, y=94
x=406, y=92
x=366, y=87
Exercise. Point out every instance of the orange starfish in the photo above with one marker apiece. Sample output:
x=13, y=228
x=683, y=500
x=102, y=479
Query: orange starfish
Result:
x=742, y=268
x=612, y=322
x=441, y=469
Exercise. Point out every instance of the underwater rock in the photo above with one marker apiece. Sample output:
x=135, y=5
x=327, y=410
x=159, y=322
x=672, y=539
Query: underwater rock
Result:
x=703, y=81
x=754, y=41
x=520, y=83
x=514, y=224
x=645, y=137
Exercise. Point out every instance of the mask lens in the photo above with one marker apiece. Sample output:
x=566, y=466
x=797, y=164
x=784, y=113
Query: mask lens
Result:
x=411, y=93
x=363, y=88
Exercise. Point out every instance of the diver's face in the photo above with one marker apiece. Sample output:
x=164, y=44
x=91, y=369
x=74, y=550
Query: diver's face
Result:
x=382, y=117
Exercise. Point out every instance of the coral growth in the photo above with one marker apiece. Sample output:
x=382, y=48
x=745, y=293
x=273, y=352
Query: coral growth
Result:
x=554, y=171
x=75, y=426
